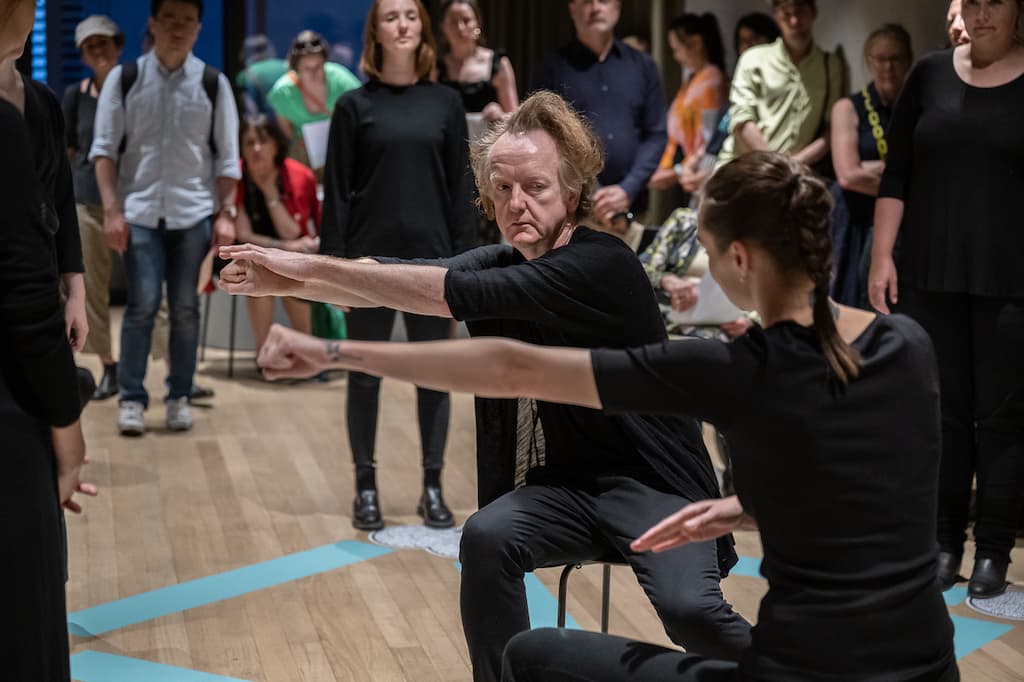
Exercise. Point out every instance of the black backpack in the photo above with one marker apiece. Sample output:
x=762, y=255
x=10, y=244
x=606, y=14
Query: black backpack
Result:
x=211, y=85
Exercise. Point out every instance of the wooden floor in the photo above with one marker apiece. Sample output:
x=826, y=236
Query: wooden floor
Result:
x=267, y=472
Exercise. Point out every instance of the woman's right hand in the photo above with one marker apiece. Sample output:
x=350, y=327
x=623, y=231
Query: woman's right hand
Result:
x=883, y=282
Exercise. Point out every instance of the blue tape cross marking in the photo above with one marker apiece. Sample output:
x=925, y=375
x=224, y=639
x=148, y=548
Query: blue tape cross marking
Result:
x=970, y=634
x=113, y=615
x=543, y=606
x=954, y=595
x=95, y=666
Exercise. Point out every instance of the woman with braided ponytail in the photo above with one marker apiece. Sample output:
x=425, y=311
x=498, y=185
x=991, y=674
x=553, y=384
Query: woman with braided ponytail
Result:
x=843, y=495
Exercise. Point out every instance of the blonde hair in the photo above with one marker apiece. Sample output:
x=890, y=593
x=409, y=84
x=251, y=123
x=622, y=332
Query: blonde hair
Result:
x=581, y=156
x=372, y=60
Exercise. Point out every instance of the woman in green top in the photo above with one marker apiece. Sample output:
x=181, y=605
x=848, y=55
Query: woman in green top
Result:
x=307, y=93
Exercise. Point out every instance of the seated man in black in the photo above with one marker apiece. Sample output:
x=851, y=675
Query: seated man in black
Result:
x=605, y=479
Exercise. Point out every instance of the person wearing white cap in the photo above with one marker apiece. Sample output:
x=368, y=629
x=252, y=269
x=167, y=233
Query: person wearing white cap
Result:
x=100, y=43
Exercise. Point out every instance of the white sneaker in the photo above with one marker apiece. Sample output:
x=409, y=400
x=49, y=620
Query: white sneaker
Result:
x=179, y=414
x=130, y=420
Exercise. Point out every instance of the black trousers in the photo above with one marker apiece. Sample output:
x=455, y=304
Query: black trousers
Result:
x=433, y=407
x=556, y=655
x=551, y=525
x=979, y=344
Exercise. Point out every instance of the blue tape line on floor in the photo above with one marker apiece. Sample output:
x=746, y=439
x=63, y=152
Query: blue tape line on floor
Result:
x=954, y=595
x=543, y=605
x=970, y=634
x=95, y=666
x=748, y=567
x=194, y=593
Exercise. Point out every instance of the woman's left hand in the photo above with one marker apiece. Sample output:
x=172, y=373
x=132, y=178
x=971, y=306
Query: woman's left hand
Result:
x=697, y=522
x=290, y=354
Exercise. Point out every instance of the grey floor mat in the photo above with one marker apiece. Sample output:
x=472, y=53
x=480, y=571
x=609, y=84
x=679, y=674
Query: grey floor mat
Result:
x=441, y=542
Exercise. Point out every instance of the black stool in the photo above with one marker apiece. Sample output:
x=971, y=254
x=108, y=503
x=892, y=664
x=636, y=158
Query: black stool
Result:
x=606, y=586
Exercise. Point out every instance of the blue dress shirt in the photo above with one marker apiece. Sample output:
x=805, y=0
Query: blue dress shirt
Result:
x=622, y=99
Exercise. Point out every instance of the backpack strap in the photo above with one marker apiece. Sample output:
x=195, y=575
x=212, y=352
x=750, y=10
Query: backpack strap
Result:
x=211, y=85
x=129, y=74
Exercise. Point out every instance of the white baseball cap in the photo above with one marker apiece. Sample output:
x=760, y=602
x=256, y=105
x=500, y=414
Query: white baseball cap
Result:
x=96, y=25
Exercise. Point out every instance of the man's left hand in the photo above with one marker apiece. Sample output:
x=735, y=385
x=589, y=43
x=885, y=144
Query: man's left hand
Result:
x=76, y=324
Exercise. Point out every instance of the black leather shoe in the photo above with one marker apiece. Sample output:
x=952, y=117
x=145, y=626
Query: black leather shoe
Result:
x=366, y=511
x=948, y=569
x=988, y=579
x=108, y=383
x=434, y=511
x=201, y=392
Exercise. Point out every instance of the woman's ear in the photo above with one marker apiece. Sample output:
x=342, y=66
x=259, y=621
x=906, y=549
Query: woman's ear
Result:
x=740, y=255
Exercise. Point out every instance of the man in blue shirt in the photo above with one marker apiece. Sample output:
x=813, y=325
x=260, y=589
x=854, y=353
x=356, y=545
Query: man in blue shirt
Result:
x=618, y=91
x=166, y=160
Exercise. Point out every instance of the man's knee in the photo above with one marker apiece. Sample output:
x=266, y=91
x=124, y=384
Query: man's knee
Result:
x=485, y=538
x=690, y=618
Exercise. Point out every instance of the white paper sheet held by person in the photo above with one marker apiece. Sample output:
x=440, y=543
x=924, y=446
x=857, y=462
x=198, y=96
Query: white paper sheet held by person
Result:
x=713, y=306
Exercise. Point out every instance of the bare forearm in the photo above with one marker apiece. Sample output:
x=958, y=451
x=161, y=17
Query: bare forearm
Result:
x=888, y=216
x=411, y=288
x=750, y=137
x=492, y=368
x=813, y=152
x=226, y=188
x=106, y=179
x=862, y=180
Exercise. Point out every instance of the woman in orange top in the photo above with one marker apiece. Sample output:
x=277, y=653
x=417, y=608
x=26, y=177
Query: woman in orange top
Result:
x=696, y=46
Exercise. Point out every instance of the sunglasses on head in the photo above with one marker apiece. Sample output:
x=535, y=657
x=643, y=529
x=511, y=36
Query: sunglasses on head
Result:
x=308, y=45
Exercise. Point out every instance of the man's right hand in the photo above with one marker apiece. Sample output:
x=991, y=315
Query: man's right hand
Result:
x=116, y=230
x=258, y=271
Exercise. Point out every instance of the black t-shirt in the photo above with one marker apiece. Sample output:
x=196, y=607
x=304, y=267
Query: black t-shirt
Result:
x=842, y=482
x=956, y=159
x=591, y=293
x=397, y=179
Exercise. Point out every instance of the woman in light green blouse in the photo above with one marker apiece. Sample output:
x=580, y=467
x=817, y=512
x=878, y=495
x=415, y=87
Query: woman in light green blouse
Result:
x=307, y=93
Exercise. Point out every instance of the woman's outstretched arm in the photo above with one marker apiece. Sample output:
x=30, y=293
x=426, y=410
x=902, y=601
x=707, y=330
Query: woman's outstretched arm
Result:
x=488, y=367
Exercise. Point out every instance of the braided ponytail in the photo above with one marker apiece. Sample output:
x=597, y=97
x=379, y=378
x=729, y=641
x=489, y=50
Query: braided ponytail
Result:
x=807, y=215
x=791, y=210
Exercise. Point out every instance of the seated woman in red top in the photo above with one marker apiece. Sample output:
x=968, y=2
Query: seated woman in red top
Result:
x=277, y=207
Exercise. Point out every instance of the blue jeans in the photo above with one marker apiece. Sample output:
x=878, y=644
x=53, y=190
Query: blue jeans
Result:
x=154, y=255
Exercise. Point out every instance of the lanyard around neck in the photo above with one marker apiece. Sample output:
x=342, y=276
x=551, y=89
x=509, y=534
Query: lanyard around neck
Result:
x=876, y=125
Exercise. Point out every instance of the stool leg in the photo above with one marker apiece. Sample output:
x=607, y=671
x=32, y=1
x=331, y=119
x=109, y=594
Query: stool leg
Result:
x=606, y=590
x=231, y=339
x=563, y=590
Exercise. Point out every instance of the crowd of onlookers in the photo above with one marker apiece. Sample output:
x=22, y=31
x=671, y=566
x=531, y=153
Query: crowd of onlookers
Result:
x=376, y=165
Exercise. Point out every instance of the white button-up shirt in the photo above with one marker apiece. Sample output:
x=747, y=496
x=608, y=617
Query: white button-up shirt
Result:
x=168, y=170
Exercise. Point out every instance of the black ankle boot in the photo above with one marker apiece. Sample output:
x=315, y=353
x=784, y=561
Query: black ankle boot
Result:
x=432, y=508
x=366, y=510
x=947, y=569
x=108, y=383
x=988, y=579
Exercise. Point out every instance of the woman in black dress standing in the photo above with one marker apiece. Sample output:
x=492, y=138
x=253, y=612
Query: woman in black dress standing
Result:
x=397, y=184
x=951, y=190
x=39, y=401
x=843, y=493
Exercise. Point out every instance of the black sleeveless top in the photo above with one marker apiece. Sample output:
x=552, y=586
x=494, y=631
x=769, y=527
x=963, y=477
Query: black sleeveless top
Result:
x=477, y=94
x=862, y=206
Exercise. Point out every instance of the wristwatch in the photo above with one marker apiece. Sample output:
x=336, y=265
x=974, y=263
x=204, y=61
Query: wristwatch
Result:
x=231, y=210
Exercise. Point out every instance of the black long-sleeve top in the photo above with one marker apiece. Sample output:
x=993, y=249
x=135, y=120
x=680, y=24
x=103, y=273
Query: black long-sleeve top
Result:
x=621, y=97
x=591, y=293
x=844, y=494
x=46, y=132
x=397, y=180
x=35, y=358
x=956, y=159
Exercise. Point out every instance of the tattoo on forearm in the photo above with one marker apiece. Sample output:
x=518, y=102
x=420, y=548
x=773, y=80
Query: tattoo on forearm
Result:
x=335, y=354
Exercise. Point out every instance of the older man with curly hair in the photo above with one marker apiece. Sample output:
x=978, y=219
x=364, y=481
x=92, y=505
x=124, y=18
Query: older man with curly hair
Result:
x=587, y=482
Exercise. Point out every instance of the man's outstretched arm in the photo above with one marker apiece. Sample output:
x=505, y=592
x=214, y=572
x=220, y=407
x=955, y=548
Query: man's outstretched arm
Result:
x=364, y=283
